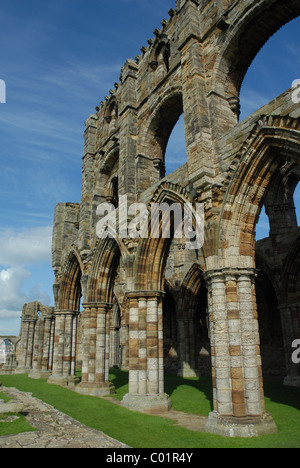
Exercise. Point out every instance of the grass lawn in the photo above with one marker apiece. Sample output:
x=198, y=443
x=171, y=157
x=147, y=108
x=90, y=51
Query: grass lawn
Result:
x=13, y=427
x=189, y=395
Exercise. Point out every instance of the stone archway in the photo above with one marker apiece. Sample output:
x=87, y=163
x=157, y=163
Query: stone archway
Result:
x=68, y=291
x=97, y=320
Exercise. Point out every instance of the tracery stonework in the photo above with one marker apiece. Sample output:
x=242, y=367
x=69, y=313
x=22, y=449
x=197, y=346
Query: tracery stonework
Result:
x=151, y=305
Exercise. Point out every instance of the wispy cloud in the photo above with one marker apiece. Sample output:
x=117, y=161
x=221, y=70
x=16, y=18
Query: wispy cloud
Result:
x=26, y=247
x=252, y=100
x=19, y=251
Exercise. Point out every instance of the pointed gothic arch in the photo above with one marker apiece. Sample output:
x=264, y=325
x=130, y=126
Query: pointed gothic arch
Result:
x=274, y=141
x=103, y=270
x=152, y=252
x=69, y=292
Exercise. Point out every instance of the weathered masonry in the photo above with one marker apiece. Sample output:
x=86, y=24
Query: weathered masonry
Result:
x=230, y=309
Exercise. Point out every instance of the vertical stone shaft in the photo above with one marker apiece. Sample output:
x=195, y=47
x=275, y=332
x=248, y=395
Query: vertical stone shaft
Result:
x=146, y=366
x=236, y=361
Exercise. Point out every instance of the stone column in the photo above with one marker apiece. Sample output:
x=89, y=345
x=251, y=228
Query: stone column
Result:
x=51, y=344
x=96, y=339
x=124, y=339
x=186, y=329
x=26, y=346
x=63, y=372
x=46, y=364
x=291, y=331
x=239, y=409
x=146, y=360
x=114, y=358
x=41, y=368
x=37, y=348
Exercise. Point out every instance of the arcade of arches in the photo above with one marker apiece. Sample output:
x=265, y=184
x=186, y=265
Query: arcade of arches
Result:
x=230, y=309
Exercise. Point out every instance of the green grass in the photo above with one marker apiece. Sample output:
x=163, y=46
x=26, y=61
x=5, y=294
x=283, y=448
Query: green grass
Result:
x=14, y=427
x=4, y=397
x=143, y=431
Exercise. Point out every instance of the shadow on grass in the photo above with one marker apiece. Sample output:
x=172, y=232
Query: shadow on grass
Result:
x=284, y=395
x=186, y=394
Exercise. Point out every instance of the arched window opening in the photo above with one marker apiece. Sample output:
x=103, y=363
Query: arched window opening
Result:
x=263, y=226
x=166, y=130
x=175, y=155
x=273, y=70
x=114, y=191
x=280, y=213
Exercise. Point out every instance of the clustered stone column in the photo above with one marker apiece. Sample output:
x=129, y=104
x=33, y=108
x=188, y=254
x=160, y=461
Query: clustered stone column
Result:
x=239, y=408
x=96, y=343
x=114, y=358
x=124, y=336
x=64, y=352
x=25, y=354
x=34, y=354
x=43, y=342
x=146, y=366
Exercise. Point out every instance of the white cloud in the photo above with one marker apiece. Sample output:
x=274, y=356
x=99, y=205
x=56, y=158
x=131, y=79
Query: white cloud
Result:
x=19, y=251
x=26, y=247
x=11, y=283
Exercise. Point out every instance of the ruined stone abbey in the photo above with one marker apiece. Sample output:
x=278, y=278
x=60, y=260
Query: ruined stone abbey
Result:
x=151, y=305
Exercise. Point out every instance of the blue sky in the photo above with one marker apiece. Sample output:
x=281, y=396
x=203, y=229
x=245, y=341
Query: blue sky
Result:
x=58, y=60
